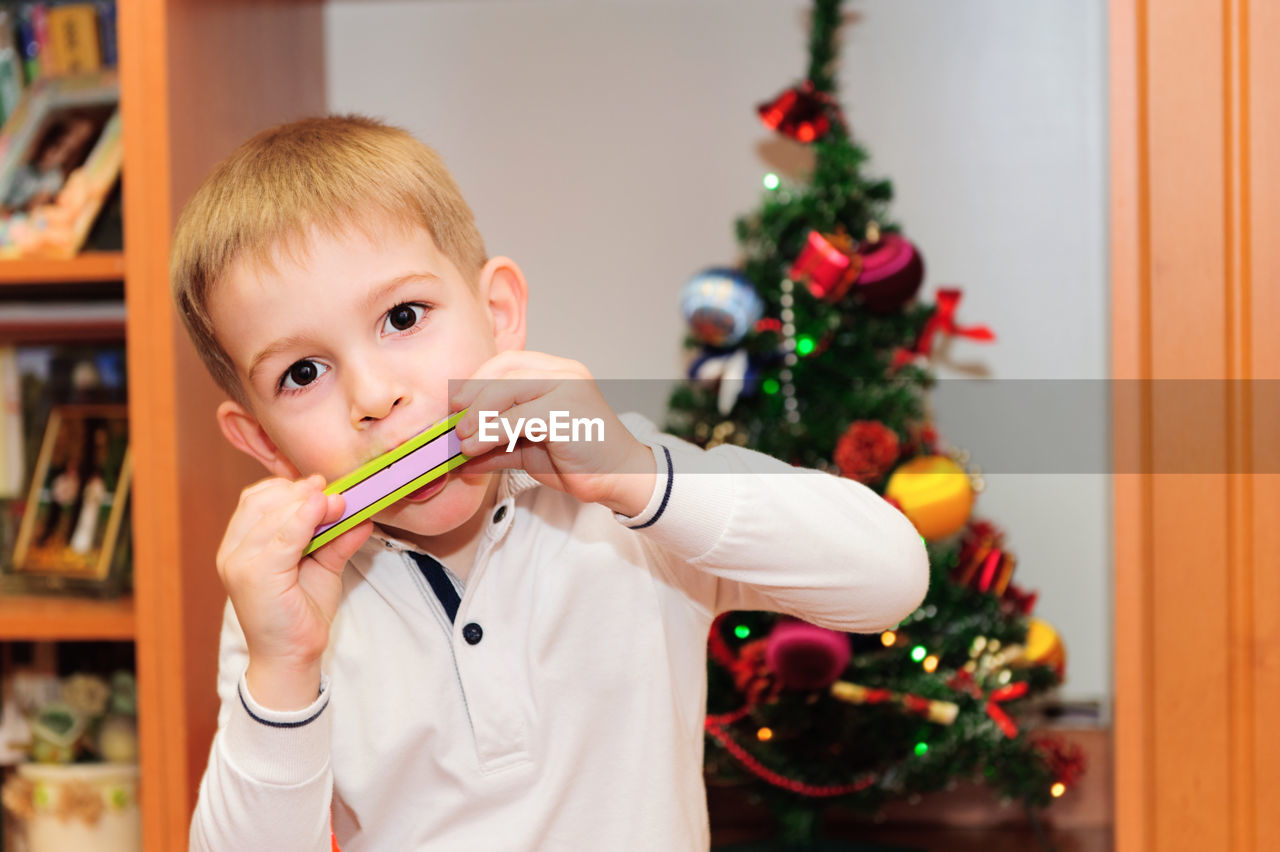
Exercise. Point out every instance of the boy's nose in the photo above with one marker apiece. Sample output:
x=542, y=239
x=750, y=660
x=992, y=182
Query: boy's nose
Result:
x=369, y=418
x=373, y=399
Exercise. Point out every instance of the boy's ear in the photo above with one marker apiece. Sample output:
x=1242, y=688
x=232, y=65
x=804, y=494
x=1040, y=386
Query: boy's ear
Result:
x=506, y=295
x=246, y=434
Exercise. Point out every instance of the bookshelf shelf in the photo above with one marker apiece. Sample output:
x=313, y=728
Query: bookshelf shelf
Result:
x=83, y=268
x=33, y=617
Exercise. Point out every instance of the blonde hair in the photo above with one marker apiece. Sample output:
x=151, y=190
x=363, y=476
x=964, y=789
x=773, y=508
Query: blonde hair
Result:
x=333, y=172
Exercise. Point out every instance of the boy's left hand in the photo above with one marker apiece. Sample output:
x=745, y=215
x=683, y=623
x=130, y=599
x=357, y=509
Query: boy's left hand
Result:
x=617, y=472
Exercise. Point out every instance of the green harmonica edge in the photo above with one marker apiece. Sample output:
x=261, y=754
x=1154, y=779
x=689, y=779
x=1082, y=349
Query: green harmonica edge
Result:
x=374, y=466
x=368, y=469
x=374, y=508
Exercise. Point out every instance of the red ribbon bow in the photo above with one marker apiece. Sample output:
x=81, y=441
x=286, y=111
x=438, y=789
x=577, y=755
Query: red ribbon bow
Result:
x=943, y=320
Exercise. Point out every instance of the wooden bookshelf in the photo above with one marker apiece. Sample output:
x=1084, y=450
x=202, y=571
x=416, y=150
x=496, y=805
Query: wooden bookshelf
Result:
x=36, y=618
x=197, y=77
x=82, y=269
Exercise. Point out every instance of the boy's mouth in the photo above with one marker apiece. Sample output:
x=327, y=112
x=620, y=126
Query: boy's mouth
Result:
x=426, y=492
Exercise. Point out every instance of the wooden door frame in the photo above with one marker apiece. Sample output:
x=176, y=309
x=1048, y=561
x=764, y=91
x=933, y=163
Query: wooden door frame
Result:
x=1195, y=197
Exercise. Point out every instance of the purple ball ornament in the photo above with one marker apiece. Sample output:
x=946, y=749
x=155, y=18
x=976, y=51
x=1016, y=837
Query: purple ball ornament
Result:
x=720, y=306
x=892, y=271
x=805, y=656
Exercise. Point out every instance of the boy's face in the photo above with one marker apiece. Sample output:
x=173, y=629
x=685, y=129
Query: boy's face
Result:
x=347, y=350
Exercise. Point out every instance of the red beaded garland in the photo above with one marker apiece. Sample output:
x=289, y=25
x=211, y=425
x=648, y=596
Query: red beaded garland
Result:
x=766, y=774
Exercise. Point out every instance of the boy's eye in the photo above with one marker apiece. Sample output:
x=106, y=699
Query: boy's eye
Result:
x=301, y=374
x=403, y=317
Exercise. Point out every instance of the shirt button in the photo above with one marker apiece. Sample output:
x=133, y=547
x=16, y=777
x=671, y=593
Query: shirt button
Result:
x=500, y=514
x=472, y=633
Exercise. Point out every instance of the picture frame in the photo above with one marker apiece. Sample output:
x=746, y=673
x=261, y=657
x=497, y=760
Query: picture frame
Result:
x=74, y=532
x=49, y=374
x=60, y=157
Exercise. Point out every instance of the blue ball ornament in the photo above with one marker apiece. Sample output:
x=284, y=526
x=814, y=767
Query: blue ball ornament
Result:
x=720, y=306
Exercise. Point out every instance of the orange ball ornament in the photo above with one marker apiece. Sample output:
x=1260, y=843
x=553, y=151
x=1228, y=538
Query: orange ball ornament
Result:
x=1044, y=646
x=934, y=493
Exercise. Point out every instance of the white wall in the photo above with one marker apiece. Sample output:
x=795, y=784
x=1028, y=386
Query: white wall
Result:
x=607, y=146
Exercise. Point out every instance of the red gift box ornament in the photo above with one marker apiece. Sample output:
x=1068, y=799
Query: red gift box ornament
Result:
x=828, y=265
x=802, y=113
x=983, y=563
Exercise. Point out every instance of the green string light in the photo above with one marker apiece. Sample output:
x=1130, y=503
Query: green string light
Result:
x=771, y=181
x=742, y=631
x=921, y=748
x=804, y=344
x=770, y=386
x=918, y=653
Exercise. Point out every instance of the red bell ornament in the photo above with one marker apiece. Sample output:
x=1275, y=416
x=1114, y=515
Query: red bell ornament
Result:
x=802, y=113
x=892, y=271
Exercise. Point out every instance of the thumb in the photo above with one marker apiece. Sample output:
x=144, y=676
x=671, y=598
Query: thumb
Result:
x=334, y=555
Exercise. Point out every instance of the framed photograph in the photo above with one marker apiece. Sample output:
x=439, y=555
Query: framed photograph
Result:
x=75, y=524
x=60, y=156
x=35, y=379
x=52, y=375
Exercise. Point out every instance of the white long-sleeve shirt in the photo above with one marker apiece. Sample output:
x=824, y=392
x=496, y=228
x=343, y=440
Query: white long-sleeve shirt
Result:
x=561, y=706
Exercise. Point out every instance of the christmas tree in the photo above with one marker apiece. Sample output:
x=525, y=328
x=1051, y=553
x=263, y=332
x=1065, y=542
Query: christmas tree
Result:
x=815, y=349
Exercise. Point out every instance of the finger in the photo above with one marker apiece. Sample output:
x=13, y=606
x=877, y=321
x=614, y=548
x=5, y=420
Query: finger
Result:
x=496, y=459
x=336, y=506
x=255, y=500
x=336, y=553
x=285, y=532
x=462, y=393
x=260, y=500
x=259, y=555
x=263, y=484
x=517, y=387
x=533, y=459
x=538, y=409
x=503, y=363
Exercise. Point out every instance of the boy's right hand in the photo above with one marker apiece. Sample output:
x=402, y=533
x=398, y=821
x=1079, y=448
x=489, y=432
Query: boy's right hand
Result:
x=285, y=602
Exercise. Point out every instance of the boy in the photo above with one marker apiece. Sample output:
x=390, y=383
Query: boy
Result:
x=512, y=658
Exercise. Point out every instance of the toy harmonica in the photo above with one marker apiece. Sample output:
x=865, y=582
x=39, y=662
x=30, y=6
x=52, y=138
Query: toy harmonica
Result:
x=377, y=484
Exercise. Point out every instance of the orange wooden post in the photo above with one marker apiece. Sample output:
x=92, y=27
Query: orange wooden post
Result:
x=1195, y=133
x=197, y=78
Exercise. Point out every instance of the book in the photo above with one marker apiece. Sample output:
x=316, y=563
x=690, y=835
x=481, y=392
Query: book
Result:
x=73, y=38
x=46, y=65
x=28, y=44
x=11, y=73
x=107, y=33
x=12, y=433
